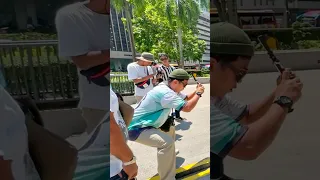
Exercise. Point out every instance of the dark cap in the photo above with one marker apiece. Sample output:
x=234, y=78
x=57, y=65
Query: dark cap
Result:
x=145, y=56
x=226, y=38
x=179, y=74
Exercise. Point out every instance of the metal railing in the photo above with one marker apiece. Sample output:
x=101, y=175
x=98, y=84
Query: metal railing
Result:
x=121, y=84
x=34, y=68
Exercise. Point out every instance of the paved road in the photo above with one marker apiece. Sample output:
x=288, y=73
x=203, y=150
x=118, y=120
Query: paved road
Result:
x=193, y=140
x=295, y=153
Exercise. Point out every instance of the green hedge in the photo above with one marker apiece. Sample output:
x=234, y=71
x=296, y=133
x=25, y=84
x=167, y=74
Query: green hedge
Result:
x=28, y=36
x=285, y=36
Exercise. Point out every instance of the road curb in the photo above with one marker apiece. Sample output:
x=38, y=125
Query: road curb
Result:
x=196, y=170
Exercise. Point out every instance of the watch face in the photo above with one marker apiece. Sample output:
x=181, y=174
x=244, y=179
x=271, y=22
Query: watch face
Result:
x=285, y=100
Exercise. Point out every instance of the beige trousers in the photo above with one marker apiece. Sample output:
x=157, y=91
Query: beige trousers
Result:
x=92, y=117
x=166, y=155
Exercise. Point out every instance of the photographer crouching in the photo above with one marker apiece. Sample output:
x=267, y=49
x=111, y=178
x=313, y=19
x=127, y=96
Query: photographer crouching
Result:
x=152, y=124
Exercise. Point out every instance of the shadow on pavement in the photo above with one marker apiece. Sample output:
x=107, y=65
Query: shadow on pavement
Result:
x=178, y=137
x=183, y=125
x=179, y=161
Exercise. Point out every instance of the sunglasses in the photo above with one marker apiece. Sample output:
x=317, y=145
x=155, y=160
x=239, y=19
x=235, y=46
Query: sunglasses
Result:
x=238, y=73
x=183, y=83
x=162, y=59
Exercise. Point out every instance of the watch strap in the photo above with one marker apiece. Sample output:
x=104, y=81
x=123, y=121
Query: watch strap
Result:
x=199, y=94
x=280, y=103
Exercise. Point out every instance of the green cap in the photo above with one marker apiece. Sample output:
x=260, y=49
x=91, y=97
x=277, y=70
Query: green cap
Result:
x=180, y=74
x=226, y=38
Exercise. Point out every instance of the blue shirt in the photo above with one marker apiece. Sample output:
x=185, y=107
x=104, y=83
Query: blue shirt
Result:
x=154, y=109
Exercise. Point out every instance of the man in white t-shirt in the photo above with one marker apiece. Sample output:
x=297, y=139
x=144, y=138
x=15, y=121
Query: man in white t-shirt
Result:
x=122, y=160
x=15, y=161
x=83, y=32
x=142, y=74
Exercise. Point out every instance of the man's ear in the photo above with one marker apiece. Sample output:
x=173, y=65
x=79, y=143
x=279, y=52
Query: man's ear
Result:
x=213, y=63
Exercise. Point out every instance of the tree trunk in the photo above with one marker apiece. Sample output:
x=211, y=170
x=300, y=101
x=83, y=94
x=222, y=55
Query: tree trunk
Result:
x=221, y=12
x=232, y=12
x=130, y=30
x=224, y=9
x=181, y=63
x=287, y=14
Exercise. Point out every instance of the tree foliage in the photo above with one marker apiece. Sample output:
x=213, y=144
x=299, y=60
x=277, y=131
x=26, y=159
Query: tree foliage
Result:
x=300, y=31
x=154, y=33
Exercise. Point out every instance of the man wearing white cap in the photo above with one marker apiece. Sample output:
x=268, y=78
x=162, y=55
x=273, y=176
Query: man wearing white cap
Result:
x=141, y=73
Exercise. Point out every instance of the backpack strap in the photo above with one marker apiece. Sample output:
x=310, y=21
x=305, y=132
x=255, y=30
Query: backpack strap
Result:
x=94, y=134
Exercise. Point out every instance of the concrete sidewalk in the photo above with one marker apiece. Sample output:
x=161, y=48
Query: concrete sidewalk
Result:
x=294, y=155
x=193, y=139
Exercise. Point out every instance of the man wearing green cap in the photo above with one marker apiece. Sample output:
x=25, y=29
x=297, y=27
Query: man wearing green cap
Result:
x=142, y=74
x=239, y=130
x=151, y=124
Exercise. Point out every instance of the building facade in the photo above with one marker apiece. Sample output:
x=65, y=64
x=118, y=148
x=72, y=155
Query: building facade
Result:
x=295, y=7
x=121, y=54
x=204, y=34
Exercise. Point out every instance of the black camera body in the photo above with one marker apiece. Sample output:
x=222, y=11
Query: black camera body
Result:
x=169, y=122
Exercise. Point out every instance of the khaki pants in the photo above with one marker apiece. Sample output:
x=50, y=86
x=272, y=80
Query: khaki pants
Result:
x=92, y=117
x=165, y=143
x=138, y=98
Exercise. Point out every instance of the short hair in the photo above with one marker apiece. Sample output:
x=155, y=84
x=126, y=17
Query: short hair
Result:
x=224, y=59
x=163, y=54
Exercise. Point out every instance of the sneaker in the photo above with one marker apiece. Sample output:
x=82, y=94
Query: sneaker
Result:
x=177, y=151
x=179, y=119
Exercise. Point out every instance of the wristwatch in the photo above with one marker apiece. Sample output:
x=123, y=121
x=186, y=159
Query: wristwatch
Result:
x=133, y=160
x=199, y=94
x=285, y=101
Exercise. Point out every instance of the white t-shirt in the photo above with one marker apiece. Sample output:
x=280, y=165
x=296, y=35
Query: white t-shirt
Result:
x=80, y=31
x=115, y=163
x=93, y=161
x=14, y=138
x=135, y=71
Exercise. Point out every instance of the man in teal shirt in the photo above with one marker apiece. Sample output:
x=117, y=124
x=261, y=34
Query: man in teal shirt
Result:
x=151, y=124
x=236, y=129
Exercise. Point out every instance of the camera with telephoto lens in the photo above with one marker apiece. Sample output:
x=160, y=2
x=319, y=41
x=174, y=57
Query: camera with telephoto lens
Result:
x=155, y=67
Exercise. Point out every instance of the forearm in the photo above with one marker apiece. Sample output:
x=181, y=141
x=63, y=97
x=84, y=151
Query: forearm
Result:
x=260, y=108
x=262, y=133
x=118, y=147
x=91, y=59
x=126, y=112
x=191, y=104
x=191, y=95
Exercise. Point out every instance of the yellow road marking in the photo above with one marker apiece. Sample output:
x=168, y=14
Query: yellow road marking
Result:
x=198, y=175
x=186, y=168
